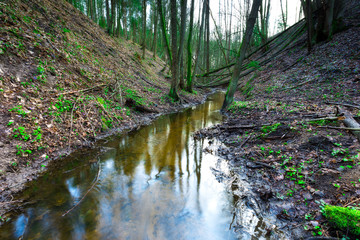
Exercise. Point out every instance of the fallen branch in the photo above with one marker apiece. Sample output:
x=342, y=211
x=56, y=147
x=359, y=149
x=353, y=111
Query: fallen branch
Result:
x=321, y=119
x=10, y=202
x=340, y=128
x=240, y=126
x=350, y=122
x=356, y=200
x=264, y=165
x=245, y=141
x=82, y=90
x=298, y=85
x=92, y=186
x=344, y=104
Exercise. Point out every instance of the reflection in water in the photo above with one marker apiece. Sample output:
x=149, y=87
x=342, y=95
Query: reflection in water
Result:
x=155, y=183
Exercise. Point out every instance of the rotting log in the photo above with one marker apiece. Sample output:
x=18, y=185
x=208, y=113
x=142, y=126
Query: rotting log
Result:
x=349, y=122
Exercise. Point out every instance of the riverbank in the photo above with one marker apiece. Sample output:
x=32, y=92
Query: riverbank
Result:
x=287, y=141
x=65, y=84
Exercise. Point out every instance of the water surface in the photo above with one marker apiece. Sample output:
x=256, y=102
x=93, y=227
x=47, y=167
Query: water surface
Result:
x=154, y=183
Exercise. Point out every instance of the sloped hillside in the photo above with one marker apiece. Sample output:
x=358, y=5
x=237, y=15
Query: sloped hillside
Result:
x=64, y=81
x=287, y=135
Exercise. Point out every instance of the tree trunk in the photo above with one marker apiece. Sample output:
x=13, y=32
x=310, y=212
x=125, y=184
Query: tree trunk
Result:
x=182, y=39
x=118, y=19
x=113, y=17
x=245, y=43
x=144, y=28
x=156, y=20
x=199, y=43
x=284, y=14
x=310, y=24
x=163, y=28
x=88, y=12
x=181, y=70
x=189, y=53
x=174, y=66
x=329, y=19
x=107, y=8
x=229, y=38
x=207, y=36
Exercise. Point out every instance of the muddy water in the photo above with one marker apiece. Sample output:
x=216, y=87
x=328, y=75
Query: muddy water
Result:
x=154, y=183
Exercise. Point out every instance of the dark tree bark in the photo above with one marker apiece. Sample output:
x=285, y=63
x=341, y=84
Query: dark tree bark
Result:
x=144, y=28
x=156, y=20
x=329, y=17
x=245, y=43
x=307, y=8
x=181, y=74
x=264, y=21
x=189, y=52
x=107, y=8
x=207, y=36
x=124, y=17
x=112, y=18
x=163, y=29
x=284, y=14
x=182, y=38
x=174, y=66
x=199, y=44
x=118, y=19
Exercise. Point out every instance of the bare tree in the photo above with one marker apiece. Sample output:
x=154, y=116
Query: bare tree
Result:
x=163, y=29
x=156, y=20
x=183, y=5
x=229, y=97
x=174, y=65
x=284, y=15
x=189, y=51
x=144, y=28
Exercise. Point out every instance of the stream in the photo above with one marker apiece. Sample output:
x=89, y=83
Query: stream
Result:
x=153, y=183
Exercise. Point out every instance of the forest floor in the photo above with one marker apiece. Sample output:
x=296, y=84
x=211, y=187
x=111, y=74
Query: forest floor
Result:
x=285, y=136
x=65, y=83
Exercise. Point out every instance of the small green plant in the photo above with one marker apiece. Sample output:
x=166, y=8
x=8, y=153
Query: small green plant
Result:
x=271, y=89
x=346, y=219
x=317, y=231
x=134, y=96
x=253, y=64
x=37, y=133
x=21, y=134
x=339, y=151
x=62, y=105
x=19, y=110
x=27, y=19
x=270, y=129
x=41, y=69
x=289, y=193
x=65, y=30
x=22, y=152
x=106, y=123
x=151, y=89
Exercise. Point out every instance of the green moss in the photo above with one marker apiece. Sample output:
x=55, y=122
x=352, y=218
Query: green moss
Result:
x=343, y=218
